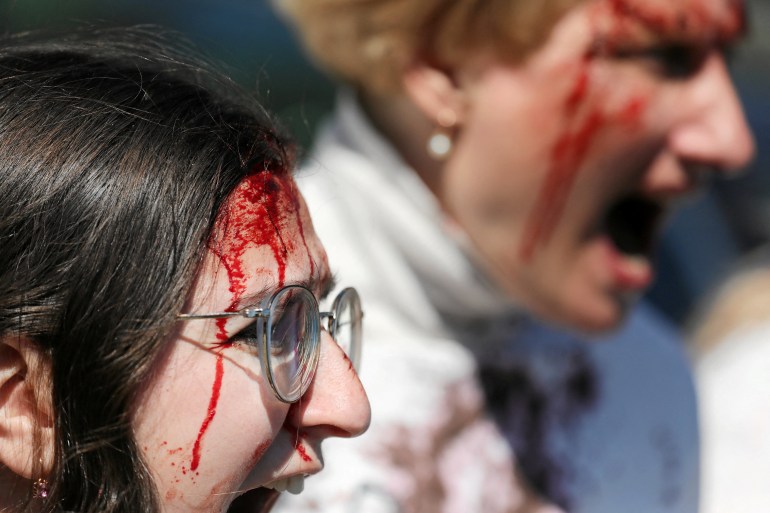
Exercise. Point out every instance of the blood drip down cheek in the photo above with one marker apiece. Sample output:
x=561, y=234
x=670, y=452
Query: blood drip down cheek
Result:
x=568, y=153
x=262, y=211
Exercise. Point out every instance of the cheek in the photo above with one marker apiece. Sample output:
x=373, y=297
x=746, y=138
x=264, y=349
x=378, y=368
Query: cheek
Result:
x=596, y=113
x=207, y=420
x=500, y=151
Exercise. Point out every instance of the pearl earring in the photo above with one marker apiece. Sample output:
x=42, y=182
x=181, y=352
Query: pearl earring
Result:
x=440, y=142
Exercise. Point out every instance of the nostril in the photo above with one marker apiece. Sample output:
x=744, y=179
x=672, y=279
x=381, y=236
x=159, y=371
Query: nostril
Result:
x=701, y=175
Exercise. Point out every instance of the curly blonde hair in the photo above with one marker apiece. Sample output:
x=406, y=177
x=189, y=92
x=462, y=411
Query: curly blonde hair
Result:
x=369, y=42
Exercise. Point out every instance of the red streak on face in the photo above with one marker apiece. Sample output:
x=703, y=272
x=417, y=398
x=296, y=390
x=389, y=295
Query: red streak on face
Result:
x=212, y=410
x=567, y=154
x=347, y=359
x=579, y=91
x=257, y=214
x=298, y=444
x=260, y=451
x=301, y=225
x=302, y=452
x=631, y=114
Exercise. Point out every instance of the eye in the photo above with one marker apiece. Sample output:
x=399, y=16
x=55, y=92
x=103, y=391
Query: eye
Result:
x=289, y=325
x=674, y=61
x=247, y=336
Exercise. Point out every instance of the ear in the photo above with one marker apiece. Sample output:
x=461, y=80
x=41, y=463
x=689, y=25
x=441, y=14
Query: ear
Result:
x=26, y=426
x=436, y=92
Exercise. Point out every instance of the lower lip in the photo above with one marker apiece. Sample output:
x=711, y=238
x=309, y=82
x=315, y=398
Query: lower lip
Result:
x=628, y=273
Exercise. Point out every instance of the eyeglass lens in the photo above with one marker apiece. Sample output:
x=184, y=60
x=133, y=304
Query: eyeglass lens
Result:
x=346, y=324
x=294, y=331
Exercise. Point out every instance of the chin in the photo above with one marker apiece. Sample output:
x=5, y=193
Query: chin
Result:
x=606, y=316
x=590, y=315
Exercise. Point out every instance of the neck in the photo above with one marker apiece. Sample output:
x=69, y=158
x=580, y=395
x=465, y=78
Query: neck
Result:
x=408, y=130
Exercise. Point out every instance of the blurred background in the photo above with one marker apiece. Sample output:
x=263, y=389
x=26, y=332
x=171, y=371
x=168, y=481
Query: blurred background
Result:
x=707, y=239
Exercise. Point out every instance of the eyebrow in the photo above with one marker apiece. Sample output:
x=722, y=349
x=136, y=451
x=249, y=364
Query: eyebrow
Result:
x=325, y=284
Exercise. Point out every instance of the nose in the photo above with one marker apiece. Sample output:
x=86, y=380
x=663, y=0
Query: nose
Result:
x=336, y=403
x=714, y=131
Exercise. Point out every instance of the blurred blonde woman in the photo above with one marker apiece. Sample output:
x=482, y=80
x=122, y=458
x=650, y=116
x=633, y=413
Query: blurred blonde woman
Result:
x=496, y=173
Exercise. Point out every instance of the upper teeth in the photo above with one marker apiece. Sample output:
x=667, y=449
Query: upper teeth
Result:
x=293, y=484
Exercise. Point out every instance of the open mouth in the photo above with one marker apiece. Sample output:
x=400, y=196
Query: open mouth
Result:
x=632, y=223
x=259, y=500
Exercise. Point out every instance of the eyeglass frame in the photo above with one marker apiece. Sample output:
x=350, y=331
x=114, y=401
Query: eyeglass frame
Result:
x=265, y=313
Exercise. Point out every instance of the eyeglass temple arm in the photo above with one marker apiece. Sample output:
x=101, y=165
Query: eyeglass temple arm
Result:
x=249, y=312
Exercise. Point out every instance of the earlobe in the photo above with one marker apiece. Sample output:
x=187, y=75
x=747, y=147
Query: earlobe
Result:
x=26, y=427
x=436, y=93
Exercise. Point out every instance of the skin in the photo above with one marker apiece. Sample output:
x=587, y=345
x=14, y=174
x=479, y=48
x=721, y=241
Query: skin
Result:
x=208, y=424
x=602, y=110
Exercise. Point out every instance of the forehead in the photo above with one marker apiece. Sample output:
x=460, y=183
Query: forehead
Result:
x=264, y=237
x=712, y=21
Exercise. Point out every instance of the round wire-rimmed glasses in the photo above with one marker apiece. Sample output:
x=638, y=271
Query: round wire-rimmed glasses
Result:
x=287, y=331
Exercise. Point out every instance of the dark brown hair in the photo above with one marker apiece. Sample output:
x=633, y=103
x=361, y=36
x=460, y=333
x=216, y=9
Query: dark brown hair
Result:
x=117, y=150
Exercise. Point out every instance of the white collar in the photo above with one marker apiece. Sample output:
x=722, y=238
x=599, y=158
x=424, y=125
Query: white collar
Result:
x=436, y=249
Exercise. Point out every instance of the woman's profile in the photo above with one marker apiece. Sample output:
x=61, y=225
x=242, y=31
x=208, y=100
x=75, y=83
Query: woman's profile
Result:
x=494, y=168
x=161, y=344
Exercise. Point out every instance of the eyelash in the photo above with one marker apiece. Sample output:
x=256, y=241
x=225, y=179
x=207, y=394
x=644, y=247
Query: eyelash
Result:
x=680, y=61
x=674, y=61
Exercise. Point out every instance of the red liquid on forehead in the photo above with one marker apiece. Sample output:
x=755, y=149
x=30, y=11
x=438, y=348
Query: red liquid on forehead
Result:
x=694, y=17
x=257, y=214
x=301, y=227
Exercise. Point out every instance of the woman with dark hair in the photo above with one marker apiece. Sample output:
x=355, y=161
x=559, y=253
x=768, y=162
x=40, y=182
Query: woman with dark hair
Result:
x=161, y=346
